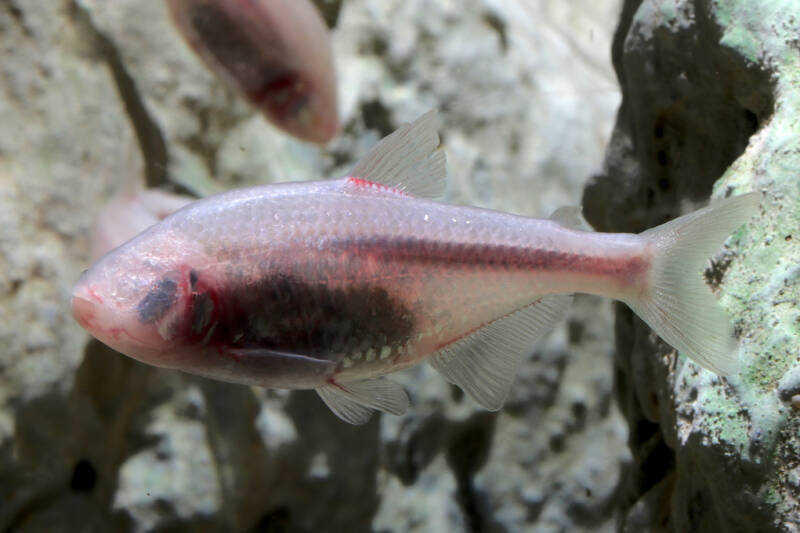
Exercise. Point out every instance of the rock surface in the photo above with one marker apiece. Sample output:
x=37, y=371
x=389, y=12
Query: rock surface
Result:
x=710, y=90
x=96, y=94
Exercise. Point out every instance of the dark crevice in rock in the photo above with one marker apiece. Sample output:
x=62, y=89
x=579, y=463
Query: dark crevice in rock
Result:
x=18, y=15
x=84, y=476
x=468, y=450
x=689, y=109
x=151, y=141
x=278, y=520
x=329, y=9
x=350, y=455
x=230, y=424
x=499, y=26
x=419, y=441
x=377, y=117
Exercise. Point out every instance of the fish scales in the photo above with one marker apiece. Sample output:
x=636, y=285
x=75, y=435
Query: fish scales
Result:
x=332, y=285
x=328, y=284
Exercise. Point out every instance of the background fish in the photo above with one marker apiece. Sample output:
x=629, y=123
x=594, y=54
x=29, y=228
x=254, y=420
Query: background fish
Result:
x=129, y=213
x=332, y=285
x=276, y=52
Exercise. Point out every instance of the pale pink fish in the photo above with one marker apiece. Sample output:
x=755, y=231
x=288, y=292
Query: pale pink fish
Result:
x=331, y=285
x=276, y=52
x=130, y=213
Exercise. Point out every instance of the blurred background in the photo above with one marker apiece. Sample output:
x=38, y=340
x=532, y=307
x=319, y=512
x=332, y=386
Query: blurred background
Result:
x=97, y=95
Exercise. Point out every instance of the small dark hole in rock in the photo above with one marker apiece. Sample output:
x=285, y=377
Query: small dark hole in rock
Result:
x=84, y=476
x=276, y=521
x=499, y=26
x=661, y=156
x=663, y=184
x=658, y=131
x=377, y=117
x=456, y=394
x=557, y=443
x=752, y=119
x=578, y=410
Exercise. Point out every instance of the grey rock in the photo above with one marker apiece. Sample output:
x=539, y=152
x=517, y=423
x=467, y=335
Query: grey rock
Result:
x=708, y=110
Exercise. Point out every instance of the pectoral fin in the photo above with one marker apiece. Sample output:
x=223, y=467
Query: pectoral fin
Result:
x=280, y=369
x=355, y=401
x=484, y=363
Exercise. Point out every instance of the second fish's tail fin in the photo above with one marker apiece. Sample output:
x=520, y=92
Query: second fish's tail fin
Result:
x=678, y=305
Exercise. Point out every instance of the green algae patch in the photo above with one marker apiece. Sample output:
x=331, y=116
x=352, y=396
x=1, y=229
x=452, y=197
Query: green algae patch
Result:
x=727, y=424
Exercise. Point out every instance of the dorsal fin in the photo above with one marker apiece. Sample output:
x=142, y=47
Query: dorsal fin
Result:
x=571, y=216
x=408, y=160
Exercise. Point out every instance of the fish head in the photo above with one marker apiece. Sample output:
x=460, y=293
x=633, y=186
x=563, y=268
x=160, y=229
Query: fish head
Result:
x=133, y=300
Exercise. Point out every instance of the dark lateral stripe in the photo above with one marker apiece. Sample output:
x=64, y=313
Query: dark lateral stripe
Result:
x=502, y=257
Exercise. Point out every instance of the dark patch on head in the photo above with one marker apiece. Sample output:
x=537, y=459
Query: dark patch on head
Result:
x=284, y=313
x=157, y=301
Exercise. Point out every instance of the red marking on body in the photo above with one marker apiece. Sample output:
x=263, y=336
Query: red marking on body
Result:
x=628, y=269
x=456, y=339
x=96, y=297
x=367, y=184
x=229, y=354
x=116, y=333
x=86, y=320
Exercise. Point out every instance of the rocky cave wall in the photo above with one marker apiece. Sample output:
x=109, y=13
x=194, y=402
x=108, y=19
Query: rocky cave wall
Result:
x=710, y=108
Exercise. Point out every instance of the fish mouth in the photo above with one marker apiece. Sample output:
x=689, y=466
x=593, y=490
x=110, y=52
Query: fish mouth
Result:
x=84, y=309
x=110, y=326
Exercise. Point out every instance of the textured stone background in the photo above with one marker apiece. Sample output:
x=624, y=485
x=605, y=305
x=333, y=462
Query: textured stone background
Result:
x=94, y=94
x=710, y=90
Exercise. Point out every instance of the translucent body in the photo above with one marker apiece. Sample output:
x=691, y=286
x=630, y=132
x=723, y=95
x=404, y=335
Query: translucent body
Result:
x=331, y=285
x=364, y=278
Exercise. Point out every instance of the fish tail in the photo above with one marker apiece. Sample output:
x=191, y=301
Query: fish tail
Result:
x=676, y=302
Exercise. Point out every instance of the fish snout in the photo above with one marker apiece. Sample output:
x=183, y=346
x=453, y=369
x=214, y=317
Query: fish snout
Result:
x=85, y=307
x=110, y=322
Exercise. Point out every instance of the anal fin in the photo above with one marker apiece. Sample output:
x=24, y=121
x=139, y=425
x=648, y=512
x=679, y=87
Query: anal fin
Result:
x=484, y=362
x=355, y=401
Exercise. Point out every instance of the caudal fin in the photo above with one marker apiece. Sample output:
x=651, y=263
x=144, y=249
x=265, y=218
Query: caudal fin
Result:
x=678, y=305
